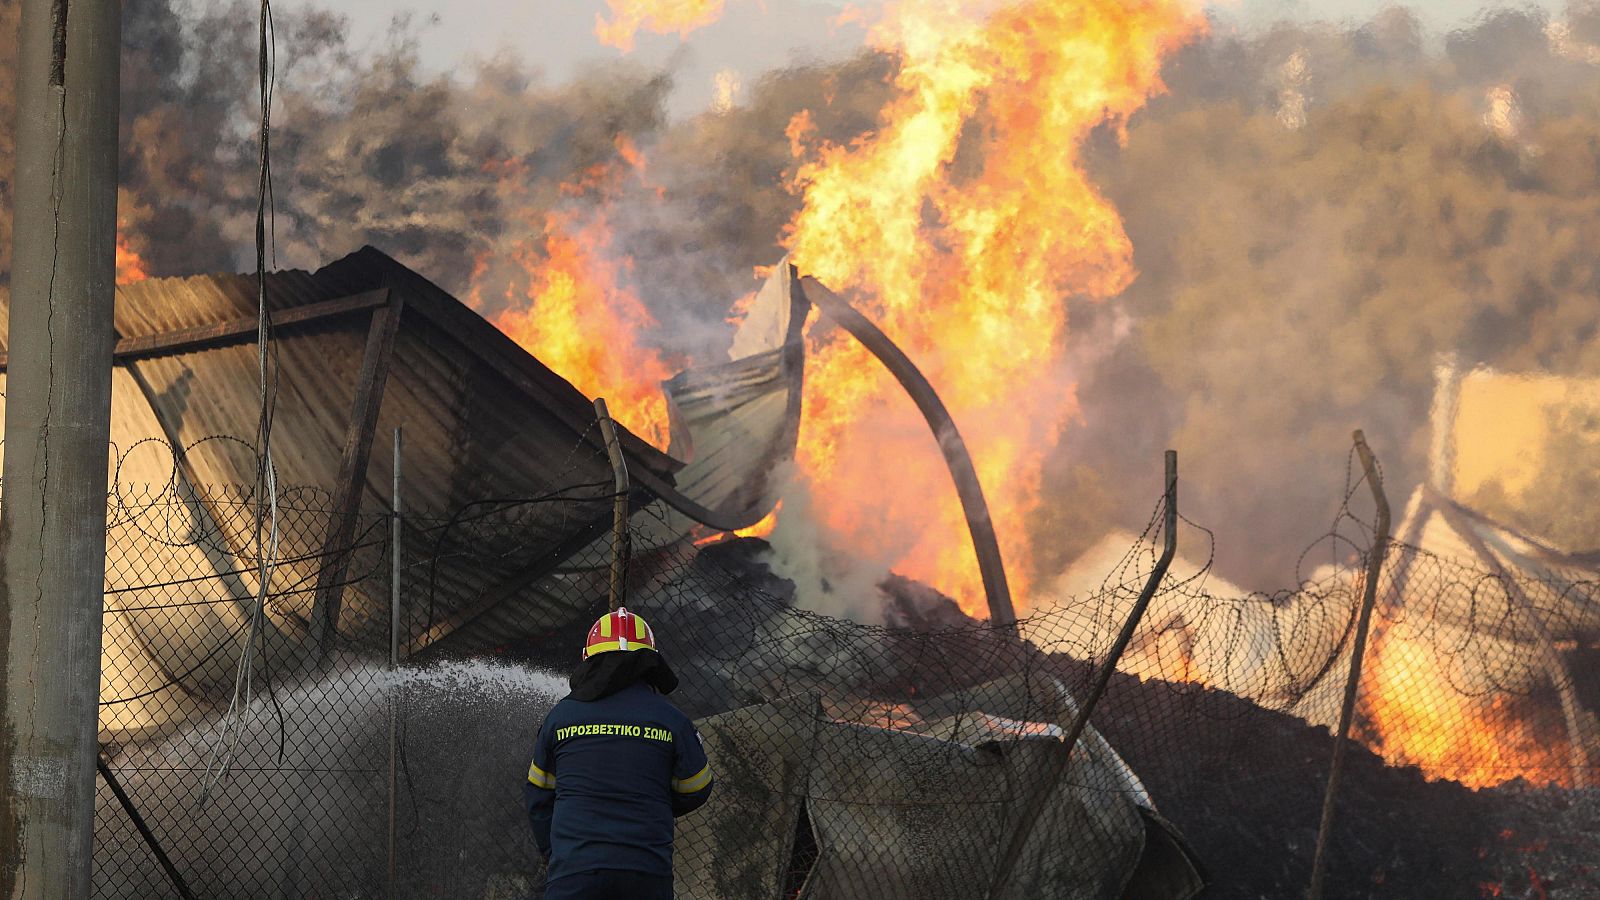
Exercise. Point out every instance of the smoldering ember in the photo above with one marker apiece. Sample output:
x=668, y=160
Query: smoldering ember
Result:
x=842, y=343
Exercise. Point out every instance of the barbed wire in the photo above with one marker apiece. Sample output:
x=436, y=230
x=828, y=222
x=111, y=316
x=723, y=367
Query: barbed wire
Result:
x=915, y=726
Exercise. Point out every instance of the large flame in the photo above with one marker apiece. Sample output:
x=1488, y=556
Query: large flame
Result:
x=659, y=16
x=1414, y=716
x=572, y=306
x=962, y=224
x=763, y=528
x=580, y=320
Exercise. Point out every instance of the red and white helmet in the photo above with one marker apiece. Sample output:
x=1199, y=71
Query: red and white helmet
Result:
x=618, y=631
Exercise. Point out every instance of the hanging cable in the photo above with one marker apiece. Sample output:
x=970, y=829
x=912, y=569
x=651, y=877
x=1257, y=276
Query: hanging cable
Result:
x=237, y=716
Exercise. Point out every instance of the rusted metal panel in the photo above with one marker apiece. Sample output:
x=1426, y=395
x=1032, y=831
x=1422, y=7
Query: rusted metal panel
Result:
x=493, y=348
x=161, y=305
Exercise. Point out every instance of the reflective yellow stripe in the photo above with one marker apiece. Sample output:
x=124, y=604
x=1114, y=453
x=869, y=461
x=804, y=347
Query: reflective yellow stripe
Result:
x=608, y=646
x=539, y=778
x=605, y=627
x=694, y=782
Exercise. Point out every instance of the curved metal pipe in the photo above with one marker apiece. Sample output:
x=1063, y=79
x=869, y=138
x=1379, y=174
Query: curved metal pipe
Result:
x=984, y=542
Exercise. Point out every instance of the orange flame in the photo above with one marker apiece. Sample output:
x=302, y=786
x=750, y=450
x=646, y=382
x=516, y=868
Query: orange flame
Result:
x=659, y=16
x=761, y=529
x=764, y=527
x=576, y=313
x=963, y=223
x=583, y=323
x=130, y=265
x=1414, y=716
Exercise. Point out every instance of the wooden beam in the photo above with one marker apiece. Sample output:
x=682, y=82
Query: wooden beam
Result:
x=353, y=470
x=237, y=330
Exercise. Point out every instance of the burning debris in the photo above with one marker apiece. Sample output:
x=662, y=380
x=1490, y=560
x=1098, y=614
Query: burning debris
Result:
x=1241, y=783
x=925, y=698
x=969, y=181
x=459, y=178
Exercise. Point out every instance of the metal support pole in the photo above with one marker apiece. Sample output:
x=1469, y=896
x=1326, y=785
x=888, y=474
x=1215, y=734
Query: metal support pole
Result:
x=619, y=516
x=1380, y=547
x=1169, y=550
x=985, y=543
x=1040, y=796
x=395, y=523
x=57, y=430
x=143, y=827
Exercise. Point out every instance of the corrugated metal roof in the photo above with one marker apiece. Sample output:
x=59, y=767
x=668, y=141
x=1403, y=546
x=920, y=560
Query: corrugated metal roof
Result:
x=735, y=423
x=483, y=420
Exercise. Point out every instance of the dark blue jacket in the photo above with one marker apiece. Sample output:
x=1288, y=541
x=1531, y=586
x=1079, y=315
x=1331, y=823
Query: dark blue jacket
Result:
x=607, y=779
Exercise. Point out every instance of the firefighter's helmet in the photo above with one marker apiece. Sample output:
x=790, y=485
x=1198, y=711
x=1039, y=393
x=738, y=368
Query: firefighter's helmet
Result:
x=618, y=631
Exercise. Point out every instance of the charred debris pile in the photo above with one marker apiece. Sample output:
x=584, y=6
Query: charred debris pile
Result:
x=1242, y=784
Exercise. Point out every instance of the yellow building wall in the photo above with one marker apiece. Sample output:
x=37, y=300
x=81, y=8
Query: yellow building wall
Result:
x=1503, y=427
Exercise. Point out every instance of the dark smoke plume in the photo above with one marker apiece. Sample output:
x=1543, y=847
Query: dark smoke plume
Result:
x=1316, y=210
x=436, y=170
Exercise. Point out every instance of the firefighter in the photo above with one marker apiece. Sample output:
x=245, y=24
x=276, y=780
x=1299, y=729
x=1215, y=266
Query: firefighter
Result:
x=615, y=762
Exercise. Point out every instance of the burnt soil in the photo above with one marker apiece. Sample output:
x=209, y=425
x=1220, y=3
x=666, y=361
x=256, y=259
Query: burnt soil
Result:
x=1245, y=787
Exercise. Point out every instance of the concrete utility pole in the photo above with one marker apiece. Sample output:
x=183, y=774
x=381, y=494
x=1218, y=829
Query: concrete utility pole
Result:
x=57, y=429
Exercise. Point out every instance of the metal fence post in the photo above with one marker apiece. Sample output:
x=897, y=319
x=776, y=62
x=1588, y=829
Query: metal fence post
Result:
x=143, y=827
x=619, y=519
x=1380, y=548
x=1037, y=802
x=395, y=524
x=1169, y=550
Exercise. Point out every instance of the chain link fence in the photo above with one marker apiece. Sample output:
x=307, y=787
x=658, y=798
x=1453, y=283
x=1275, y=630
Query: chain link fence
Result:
x=920, y=756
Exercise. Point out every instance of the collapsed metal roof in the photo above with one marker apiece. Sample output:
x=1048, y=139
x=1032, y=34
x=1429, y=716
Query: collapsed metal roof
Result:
x=735, y=422
x=360, y=347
